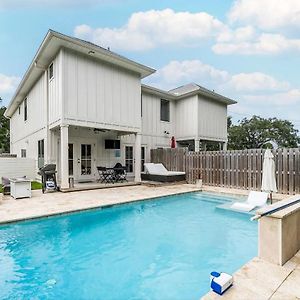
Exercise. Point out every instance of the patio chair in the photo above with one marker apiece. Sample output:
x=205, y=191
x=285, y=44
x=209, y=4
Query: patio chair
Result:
x=254, y=200
x=120, y=172
x=105, y=175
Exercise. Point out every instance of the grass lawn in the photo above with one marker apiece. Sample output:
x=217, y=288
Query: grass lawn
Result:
x=34, y=186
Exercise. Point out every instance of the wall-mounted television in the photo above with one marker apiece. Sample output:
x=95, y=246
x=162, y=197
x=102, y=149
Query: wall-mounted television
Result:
x=112, y=144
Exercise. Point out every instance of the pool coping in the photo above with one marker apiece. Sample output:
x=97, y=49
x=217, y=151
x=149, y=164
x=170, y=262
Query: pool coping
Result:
x=92, y=207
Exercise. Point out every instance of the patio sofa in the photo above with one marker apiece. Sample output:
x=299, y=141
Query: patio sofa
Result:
x=158, y=172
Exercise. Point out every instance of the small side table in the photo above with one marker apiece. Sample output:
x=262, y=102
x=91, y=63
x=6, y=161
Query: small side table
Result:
x=20, y=188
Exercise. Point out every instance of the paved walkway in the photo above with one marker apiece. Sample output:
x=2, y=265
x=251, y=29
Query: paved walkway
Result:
x=261, y=280
x=56, y=203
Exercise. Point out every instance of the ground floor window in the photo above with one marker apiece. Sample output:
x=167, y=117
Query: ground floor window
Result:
x=71, y=159
x=86, y=159
x=129, y=159
x=41, y=153
x=143, y=153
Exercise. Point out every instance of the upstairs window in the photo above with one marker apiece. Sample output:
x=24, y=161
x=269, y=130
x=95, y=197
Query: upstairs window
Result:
x=165, y=110
x=51, y=71
x=25, y=110
x=23, y=153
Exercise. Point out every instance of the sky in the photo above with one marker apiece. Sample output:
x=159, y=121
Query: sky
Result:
x=248, y=50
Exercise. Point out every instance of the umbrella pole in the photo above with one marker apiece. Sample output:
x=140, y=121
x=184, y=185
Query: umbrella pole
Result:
x=271, y=197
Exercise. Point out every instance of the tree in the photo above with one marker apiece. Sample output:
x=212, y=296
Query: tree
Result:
x=258, y=132
x=4, y=130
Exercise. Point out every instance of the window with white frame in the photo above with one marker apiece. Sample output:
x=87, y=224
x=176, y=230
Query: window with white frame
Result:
x=23, y=153
x=41, y=153
x=165, y=110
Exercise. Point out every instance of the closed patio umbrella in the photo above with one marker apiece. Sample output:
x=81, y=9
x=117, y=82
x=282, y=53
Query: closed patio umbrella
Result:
x=173, y=142
x=268, y=176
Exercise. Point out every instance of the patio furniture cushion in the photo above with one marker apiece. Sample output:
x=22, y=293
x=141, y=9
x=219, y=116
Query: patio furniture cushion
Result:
x=159, y=169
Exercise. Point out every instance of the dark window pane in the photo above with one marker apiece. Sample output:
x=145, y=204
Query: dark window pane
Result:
x=70, y=151
x=25, y=109
x=164, y=110
x=83, y=151
x=51, y=71
x=88, y=151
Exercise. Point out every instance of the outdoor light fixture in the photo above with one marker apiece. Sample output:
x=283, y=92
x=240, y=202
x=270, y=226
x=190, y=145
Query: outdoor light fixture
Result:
x=91, y=52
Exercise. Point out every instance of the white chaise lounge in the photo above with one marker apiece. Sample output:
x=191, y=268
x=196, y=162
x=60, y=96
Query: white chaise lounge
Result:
x=158, y=172
x=254, y=200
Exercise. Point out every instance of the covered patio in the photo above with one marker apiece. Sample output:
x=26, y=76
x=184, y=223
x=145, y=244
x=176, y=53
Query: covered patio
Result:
x=79, y=152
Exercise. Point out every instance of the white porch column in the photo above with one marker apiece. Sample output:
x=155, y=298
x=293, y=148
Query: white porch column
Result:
x=64, y=169
x=137, y=157
x=225, y=146
x=197, y=145
x=50, y=157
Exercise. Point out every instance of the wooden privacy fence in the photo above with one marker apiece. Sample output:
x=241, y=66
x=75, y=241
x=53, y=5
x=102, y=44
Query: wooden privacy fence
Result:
x=235, y=169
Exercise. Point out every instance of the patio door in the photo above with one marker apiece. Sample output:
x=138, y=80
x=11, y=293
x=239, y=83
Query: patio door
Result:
x=129, y=159
x=85, y=162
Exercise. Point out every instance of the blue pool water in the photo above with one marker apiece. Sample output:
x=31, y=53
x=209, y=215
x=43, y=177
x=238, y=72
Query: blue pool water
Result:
x=157, y=249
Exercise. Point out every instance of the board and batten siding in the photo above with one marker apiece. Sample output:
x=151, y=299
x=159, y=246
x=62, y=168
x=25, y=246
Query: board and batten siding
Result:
x=17, y=167
x=212, y=120
x=97, y=93
x=55, y=90
x=187, y=118
x=25, y=134
x=153, y=129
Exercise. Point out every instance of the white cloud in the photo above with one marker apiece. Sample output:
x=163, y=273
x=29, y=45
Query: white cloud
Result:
x=265, y=43
x=8, y=84
x=146, y=30
x=267, y=14
x=255, y=82
x=288, y=98
x=179, y=72
x=176, y=73
x=238, y=35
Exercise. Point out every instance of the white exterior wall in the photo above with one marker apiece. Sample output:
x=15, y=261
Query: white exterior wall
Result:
x=186, y=118
x=25, y=134
x=153, y=129
x=17, y=167
x=97, y=94
x=55, y=88
x=212, y=120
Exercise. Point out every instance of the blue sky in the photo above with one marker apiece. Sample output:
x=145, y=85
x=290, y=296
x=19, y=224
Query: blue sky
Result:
x=245, y=49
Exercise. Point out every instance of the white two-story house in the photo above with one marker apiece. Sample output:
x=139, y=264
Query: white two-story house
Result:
x=81, y=106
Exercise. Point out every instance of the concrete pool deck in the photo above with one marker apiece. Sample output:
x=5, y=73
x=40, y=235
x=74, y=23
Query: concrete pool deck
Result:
x=262, y=280
x=49, y=204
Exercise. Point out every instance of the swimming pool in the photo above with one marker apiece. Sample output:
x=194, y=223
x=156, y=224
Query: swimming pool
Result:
x=156, y=249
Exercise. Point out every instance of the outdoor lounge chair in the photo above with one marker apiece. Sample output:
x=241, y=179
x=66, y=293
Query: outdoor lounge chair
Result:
x=254, y=200
x=158, y=172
